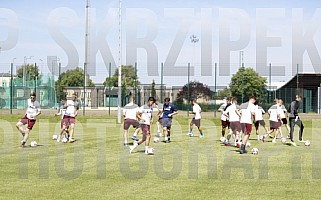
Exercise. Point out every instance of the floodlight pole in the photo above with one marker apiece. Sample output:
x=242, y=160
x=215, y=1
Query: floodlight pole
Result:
x=119, y=65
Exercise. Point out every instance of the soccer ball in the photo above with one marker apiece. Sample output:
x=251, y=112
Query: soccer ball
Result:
x=64, y=140
x=222, y=139
x=156, y=139
x=54, y=137
x=255, y=151
x=33, y=144
x=307, y=143
x=283, y=140
x=150, y=151
x=248, y=144
x=238, y=144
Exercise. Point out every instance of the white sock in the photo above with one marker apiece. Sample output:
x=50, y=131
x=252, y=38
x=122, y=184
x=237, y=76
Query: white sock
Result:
x=166, y=138
x=125, y=141
x=258, y=137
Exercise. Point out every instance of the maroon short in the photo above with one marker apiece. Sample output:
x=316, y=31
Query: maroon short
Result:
x=145, y=129
x=285, y=121
x=69, y=120
x=259, y=122
x=235, y=126
x=225, y=124
x=197, y=122
x=275, y=125
x=130, y=122
x=246, y=128
x=160, y=120
x=30, y=122
x=64, y=122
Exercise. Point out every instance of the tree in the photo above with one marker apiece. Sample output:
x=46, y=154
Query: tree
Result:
x=71, y=78
x=30, y=72
x=223, y=93
x=129, y=77
x=249, y=83
x=196, y=90
x=153, y=92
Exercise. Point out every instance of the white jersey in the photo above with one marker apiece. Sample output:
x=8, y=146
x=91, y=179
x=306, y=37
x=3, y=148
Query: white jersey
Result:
x=197, y=111
x=72, y=107
x=146, y=112
x=274, y=111
x=247, y=109
x=282, y=111
x=130, y=111
x=221, y=109
x=33, y=109
x=231, y=111
x=259, y=111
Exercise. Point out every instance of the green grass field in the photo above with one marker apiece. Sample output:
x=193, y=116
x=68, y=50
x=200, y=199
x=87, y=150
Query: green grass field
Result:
x=97, y=166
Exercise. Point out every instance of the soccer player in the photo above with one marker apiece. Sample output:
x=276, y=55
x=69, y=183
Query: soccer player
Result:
x=146, y=118
x=247, y=113
x=196, y=119
x=295, y=119
x=224, y=121
x=283, y=114
x=233, y=114
x=275, y=121
x=259, y=112
x=169, y=110
x=130, y=112
x=72, y=107
x=30, y=118
x=64, y=129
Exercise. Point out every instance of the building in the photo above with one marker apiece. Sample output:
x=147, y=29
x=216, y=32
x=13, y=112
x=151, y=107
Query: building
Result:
x=305, y=84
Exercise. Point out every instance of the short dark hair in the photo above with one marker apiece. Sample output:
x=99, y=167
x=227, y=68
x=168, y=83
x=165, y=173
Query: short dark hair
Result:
x=75, y=94
x=252, y=97
x=167, y=99
x=33, y=94
x=152, y=99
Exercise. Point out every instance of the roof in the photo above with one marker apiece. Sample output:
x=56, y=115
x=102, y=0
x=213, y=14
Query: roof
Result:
x=5, y=75
x=305, y=80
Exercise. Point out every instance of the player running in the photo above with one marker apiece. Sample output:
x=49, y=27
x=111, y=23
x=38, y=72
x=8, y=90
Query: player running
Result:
x=247, y=113
x=130, y=112
x=283, y=115
x=225, y=123
x=169, y=110
x=233, y=114
x=275, y=121
x=64, y=129
x=259, y=112
x=196, y=119
x=146, y=118
x=72, y=107
x=30, y=118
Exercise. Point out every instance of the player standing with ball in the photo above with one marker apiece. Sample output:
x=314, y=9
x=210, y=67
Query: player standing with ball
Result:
x=32, y=112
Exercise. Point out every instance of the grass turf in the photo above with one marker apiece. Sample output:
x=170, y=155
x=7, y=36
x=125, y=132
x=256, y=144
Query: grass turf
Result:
x=98, y=166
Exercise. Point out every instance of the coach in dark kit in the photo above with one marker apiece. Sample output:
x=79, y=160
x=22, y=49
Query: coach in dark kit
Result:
x=294, y=118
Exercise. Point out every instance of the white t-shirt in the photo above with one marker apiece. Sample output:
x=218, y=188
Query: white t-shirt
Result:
x=146, y=114
x=231, y=111
x=282, y=111
x=72, y=107
x=197, y=111
x=130, y=111
x=221, y=109
x=259, y=111
x=274, y=112
x=33, y=109
x=247, y=109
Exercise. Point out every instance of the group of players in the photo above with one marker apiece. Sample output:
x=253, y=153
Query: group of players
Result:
x=68, y=112
x=239, y=119
x=166, y=111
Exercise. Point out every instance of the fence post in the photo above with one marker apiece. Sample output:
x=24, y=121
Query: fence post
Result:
x=109, y=76
x=188, y=89
x=215, y=70
x=11, y=88
x=84, y=102
x=161, y=94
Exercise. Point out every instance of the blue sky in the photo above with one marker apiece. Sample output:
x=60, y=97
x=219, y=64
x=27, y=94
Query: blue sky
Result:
x=35, y=25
